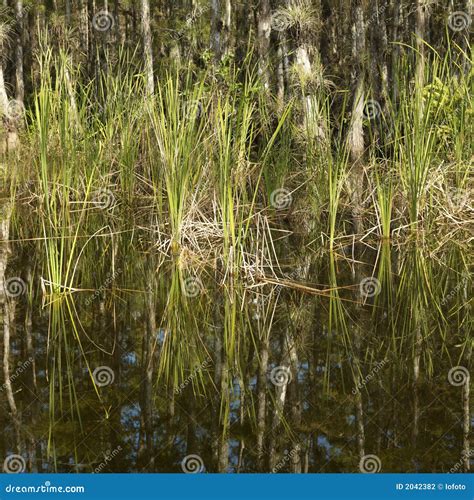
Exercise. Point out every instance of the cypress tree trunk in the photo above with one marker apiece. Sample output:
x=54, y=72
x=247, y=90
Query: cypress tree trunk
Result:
x=68, y=12
x=264, y=19
x=466, y=401
x=147, y=45
x=420, y=32
x=221, y=12
x=396, y=10
x=148, y=370
x=84, y=27
x=379, y=50
x=3, y=93
x=356, y=132
x=216, y=29
x=20, y=84
x=7, y=307
x=261, y=401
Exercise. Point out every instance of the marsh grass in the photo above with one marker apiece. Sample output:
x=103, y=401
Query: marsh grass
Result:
x=200, y=149
x=109, y=177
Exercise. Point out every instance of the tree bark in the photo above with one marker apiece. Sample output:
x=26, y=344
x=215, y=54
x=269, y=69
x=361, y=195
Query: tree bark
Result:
x=221, y=16
x=3, y=93
x=396, y=30
x=420, y=33
x=20, y=83
x=261, y=400
x=356, y=132
x=7, y=306
x=147, y=45
x=84, y=27
x=264, y=20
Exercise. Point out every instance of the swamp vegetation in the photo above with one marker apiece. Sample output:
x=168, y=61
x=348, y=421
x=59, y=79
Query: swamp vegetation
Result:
x=236, y=237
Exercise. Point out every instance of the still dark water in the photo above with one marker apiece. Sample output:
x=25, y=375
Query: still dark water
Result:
x=356, y=363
